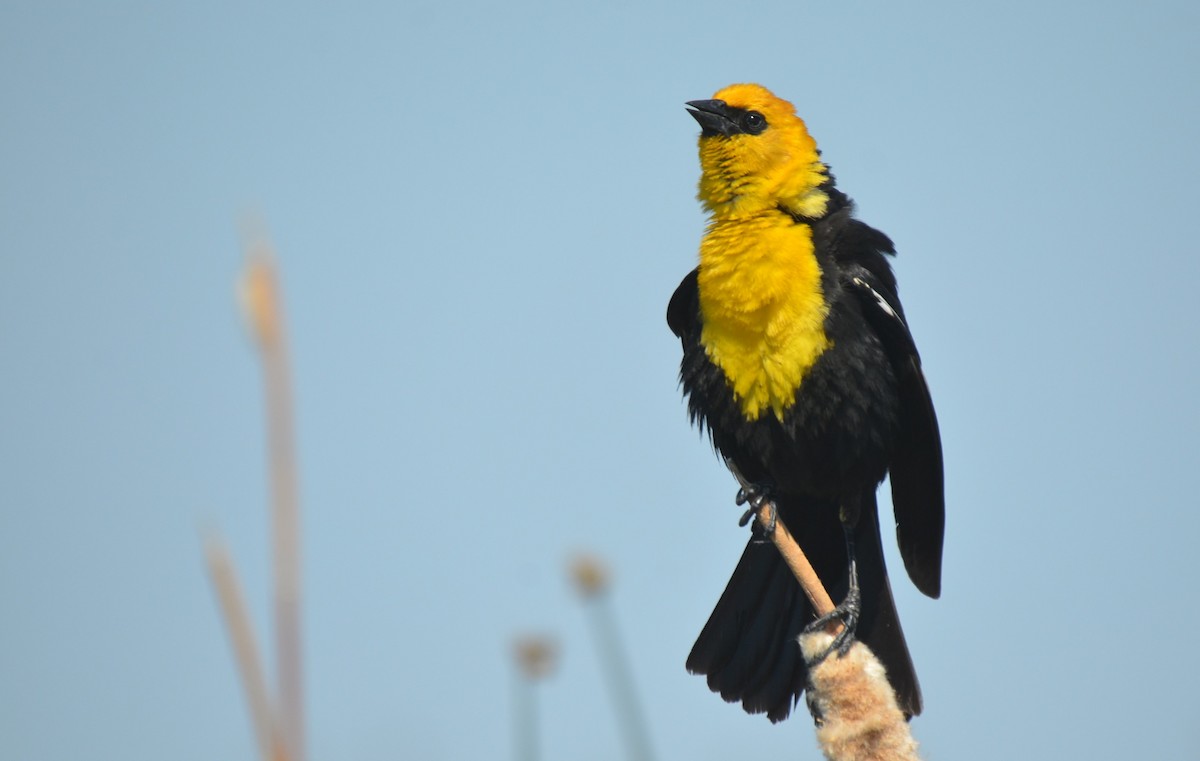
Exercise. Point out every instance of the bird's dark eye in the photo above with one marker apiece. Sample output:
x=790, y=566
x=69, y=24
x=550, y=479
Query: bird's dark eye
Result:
x=754, y=122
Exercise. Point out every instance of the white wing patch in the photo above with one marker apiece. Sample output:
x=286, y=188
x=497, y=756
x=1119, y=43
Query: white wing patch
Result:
x=879, y=299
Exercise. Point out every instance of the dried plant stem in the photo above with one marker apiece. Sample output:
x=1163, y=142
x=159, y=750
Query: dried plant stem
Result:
x=287, y=549
x=262, y=302
x=796, y=560
x=536, y=657
x=241, y=637
x=620, y=679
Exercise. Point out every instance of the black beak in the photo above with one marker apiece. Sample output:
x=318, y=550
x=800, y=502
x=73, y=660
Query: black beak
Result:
x=714, y=117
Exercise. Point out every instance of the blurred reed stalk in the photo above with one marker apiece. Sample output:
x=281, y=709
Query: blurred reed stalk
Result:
x=591, y=579
x=262, y=304
x=241, y=636
x=536, y=658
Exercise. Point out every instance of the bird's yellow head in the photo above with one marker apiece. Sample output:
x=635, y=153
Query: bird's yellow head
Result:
x=756, y=154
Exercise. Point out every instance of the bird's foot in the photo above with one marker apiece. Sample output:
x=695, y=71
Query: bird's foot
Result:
x=847, y=613
x=757, y=496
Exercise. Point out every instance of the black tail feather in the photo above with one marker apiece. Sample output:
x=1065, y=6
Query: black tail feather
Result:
x=748, y=648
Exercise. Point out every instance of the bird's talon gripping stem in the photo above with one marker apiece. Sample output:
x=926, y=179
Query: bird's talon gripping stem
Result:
x=757, y=497
x=847, y=612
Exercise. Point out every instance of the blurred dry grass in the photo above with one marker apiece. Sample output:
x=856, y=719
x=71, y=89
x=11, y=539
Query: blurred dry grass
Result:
x=278, y=721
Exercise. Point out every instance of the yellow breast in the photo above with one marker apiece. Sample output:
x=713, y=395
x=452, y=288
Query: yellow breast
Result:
x=762, y=307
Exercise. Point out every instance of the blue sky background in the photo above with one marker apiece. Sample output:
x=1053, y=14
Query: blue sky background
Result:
x=481, y=211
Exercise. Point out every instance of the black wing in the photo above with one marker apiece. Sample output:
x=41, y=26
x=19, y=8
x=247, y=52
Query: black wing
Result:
x=916, y=467
x=684, y=305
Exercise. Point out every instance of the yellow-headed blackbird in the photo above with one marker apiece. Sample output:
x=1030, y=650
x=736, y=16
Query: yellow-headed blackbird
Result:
x=798, y=361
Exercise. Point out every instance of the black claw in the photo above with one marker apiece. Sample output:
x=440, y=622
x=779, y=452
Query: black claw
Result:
x=848, y=614
x=756, y=496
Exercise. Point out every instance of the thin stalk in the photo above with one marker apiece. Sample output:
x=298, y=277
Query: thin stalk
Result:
x=620, y=679
x=263, y=304
x=241, y=637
